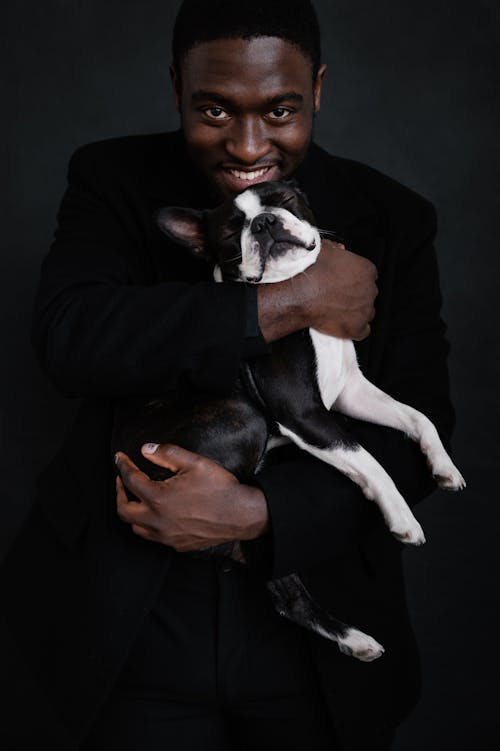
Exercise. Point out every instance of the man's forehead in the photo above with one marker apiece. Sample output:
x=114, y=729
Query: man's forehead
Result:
x=237, y=64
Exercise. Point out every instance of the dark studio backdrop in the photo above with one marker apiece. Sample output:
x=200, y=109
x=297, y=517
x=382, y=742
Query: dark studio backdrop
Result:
x=412, y=90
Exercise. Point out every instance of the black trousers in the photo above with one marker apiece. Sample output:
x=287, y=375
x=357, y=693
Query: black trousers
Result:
x=215, y=667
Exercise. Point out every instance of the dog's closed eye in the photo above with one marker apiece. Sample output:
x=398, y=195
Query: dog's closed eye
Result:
x=231, y=235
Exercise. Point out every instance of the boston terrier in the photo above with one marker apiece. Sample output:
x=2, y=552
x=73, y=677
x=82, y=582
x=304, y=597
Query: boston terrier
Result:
x=264, y=235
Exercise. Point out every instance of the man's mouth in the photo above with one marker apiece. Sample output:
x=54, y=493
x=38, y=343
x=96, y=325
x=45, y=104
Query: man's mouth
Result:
x=236, y=180
x=249, y=176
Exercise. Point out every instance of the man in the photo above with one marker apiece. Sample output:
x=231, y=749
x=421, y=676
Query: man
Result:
x=155, y=643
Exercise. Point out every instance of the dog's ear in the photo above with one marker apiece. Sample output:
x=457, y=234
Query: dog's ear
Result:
x=184, y=226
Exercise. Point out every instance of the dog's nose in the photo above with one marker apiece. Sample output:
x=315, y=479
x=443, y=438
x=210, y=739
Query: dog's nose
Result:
x=262, y=222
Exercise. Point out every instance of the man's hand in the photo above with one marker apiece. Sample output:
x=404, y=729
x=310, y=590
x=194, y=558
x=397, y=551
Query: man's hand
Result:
x=335, y=296
x=201, y=505
x=339, y=291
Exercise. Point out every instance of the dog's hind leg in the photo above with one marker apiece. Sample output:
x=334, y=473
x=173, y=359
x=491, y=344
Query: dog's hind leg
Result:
x=362, y=468
x=293, y=601
x=361, y=399
x=294, y=397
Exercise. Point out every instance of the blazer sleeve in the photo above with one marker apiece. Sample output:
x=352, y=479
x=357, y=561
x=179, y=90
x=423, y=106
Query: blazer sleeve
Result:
x=317, y=513
x=101, y=327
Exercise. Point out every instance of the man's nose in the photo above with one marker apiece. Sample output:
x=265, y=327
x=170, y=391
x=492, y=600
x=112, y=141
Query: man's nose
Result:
x=247, y=142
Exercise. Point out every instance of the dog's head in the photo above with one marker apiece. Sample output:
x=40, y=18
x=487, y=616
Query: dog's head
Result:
x=265, y=234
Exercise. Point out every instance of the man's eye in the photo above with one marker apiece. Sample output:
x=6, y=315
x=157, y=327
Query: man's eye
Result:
x=215, y=113
x=280, y=113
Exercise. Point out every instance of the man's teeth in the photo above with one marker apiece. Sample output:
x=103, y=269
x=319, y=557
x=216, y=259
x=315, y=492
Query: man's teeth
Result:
x=249, y=175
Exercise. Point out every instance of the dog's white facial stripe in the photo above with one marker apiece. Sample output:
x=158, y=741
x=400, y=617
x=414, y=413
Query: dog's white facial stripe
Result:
x=249, y=203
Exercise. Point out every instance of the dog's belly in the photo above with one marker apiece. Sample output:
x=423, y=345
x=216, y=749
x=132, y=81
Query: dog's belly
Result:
x=335, y=360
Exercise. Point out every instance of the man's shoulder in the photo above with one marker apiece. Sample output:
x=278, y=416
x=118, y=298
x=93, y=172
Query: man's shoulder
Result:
x=388, y=197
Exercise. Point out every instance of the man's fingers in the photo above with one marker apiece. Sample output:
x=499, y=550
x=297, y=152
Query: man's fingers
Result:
x=145, y=532
x=135, y=480
x=362, y=334
x=133, y=512
x=170, y=456
x=127, y=510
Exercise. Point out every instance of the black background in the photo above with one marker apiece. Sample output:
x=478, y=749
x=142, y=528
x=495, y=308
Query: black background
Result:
x=412, y=89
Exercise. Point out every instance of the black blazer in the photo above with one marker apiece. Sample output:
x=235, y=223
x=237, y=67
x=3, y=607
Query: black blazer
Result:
x=121, y=311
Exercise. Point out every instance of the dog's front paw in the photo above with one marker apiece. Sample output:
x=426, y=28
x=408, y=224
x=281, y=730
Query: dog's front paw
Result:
x=444, y=471
x=357, y=644
x=448, y=477
x=408, y=530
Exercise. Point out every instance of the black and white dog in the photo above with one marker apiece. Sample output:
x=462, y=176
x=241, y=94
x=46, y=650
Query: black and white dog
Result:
x=267, y=234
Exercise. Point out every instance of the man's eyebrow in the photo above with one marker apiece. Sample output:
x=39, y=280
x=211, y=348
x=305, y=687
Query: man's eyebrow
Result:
x=201, y=96
x=289, y=96
x=213, y=96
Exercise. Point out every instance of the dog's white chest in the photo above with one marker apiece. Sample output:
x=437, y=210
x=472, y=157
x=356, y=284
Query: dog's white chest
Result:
x=335, y=360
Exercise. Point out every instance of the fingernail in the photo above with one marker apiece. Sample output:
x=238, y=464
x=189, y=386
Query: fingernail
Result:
x=117, y=458
x=150, y=448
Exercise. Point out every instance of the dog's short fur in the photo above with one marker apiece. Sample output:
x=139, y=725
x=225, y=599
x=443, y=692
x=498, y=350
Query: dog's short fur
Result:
x=267, y=234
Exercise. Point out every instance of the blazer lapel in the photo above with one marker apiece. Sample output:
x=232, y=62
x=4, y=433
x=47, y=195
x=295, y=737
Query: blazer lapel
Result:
x=339, y=205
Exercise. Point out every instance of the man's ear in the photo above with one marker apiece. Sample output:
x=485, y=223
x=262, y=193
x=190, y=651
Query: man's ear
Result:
x=318, y=85
x=184, y=226
x=176, y=86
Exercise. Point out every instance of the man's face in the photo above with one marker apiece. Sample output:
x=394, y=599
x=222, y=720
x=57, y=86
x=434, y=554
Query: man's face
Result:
x=247, y=109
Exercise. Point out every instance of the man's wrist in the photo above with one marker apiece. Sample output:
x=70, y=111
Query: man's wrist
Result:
x=252, y=505
x=281, y=309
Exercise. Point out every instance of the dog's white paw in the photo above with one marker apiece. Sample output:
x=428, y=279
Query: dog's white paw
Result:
x=408, y=530
x=357, y=644
x=448, y=477
x=444, y=471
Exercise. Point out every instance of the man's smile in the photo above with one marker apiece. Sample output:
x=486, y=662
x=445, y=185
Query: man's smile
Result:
x=237, y=179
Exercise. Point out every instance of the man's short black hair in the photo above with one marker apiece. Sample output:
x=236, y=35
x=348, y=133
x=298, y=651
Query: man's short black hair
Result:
x=295, y=21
